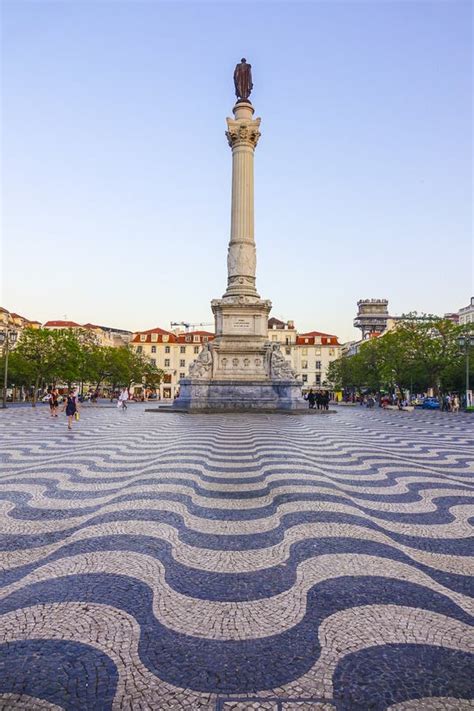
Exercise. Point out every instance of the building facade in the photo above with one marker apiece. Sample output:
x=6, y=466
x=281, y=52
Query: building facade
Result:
x=103, y=335
x=16, y=322
x=466, y=314
x=171, y=352
x=309, y=354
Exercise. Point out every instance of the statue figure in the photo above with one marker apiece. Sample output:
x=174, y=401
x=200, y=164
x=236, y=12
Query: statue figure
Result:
x=243, y=80
x=202, y=366
x=278, y=366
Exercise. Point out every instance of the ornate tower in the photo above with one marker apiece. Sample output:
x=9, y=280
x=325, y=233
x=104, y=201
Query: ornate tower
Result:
x=372, y=316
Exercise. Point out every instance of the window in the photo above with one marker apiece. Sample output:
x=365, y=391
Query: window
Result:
x=317, y=351
x=154, y=337
x=182, y=349
x=332, y=351
x=318, y=365
x=167, y=349
x=143, y=337
x=153, y=349
x=167, y=362
x=139, y=349
x=205, y=339
x=182, y=363
x=304, y=364
x=188, y=339
x=318, y=379
x=196, y=349
x=274, y=338
x=196, y=339
x=288, y=351
x=304, y=351
x=165, y=339
x=153, y=361
x=305, y=378
x=182, y=375
x=306, y=340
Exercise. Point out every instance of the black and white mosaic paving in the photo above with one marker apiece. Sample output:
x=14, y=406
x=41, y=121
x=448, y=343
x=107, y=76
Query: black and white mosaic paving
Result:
x=236, y=562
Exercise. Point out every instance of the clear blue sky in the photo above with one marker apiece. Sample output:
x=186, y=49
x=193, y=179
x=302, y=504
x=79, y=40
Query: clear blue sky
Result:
x=116, y=170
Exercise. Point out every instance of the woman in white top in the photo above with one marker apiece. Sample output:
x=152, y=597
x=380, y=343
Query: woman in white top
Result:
x=122, y=401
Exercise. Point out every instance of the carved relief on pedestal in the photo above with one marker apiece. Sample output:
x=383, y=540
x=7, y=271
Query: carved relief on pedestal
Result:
x=277, y=367
x=202, y=367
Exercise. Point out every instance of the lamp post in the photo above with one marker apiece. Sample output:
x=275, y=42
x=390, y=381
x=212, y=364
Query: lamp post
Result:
x=466, y=342
x=7, y=337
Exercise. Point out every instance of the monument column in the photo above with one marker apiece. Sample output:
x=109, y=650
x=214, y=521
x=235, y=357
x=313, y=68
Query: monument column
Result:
x=240, y=369
x=242, y=134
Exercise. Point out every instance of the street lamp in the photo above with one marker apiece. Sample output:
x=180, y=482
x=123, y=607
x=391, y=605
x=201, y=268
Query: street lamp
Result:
x=465, y=343
x=7, y=337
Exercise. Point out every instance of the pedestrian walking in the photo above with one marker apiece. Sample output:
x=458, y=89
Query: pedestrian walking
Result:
x=122, y=400
x=325, y=400
x=70, y=405
x=53, y=403
x=311, y=398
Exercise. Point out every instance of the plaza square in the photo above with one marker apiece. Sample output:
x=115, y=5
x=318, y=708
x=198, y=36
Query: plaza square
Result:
x=236, y=561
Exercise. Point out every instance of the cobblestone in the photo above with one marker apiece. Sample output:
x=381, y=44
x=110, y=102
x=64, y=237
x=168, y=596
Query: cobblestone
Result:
x=236, y=562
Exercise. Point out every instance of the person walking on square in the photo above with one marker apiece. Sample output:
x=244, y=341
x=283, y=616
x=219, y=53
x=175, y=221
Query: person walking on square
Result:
x=325, y=400
x=53, y=403
x=122, y=401
x=70, y=407
x=311, y=399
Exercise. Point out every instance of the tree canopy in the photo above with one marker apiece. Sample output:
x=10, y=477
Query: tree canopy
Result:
x=419, y=353
x=47, y=357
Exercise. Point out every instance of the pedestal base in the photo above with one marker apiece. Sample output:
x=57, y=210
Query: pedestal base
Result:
x=233, y=395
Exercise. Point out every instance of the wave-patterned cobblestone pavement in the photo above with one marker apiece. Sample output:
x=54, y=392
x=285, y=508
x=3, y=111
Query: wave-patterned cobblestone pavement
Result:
x=236, y=562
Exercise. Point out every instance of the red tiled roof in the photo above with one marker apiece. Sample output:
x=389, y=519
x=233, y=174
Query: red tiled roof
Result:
x=311, y=334
x=198, y=333
x=172, y=337
x=182, y=336
x=280, y=324
x=63, y=324
x=159, y=332
x=327, y=339
x=91, y=325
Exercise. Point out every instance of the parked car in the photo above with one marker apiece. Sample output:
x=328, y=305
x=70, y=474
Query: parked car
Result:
x=430, y=403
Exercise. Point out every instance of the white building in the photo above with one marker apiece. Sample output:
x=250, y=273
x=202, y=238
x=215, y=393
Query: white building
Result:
x=308, y=353
x=171, y=352
x=466, y=314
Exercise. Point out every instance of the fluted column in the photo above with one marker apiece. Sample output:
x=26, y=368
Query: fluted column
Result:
x=242, y=135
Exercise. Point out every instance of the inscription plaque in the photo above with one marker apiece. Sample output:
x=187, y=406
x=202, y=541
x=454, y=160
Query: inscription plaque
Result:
x=240, y=324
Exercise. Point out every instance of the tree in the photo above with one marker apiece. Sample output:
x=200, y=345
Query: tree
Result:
x=432, y=347
x=39, y=357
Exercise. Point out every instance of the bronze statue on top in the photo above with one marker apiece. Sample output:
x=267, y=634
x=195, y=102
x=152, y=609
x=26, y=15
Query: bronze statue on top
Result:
x=243, y=80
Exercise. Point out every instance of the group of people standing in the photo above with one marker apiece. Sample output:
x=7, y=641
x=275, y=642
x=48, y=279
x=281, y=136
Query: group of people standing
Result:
x=450, y=403
x=320, y=399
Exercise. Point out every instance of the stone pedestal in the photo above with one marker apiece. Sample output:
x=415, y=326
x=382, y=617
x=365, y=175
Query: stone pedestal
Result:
x=240, y=369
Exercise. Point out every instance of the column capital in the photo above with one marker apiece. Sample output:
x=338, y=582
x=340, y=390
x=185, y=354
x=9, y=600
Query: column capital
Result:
x=243, y=132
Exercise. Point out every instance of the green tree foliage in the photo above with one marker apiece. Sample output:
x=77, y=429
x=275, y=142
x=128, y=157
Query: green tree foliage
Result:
x=39, y=357
x=421, y=352
x=46, y=357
